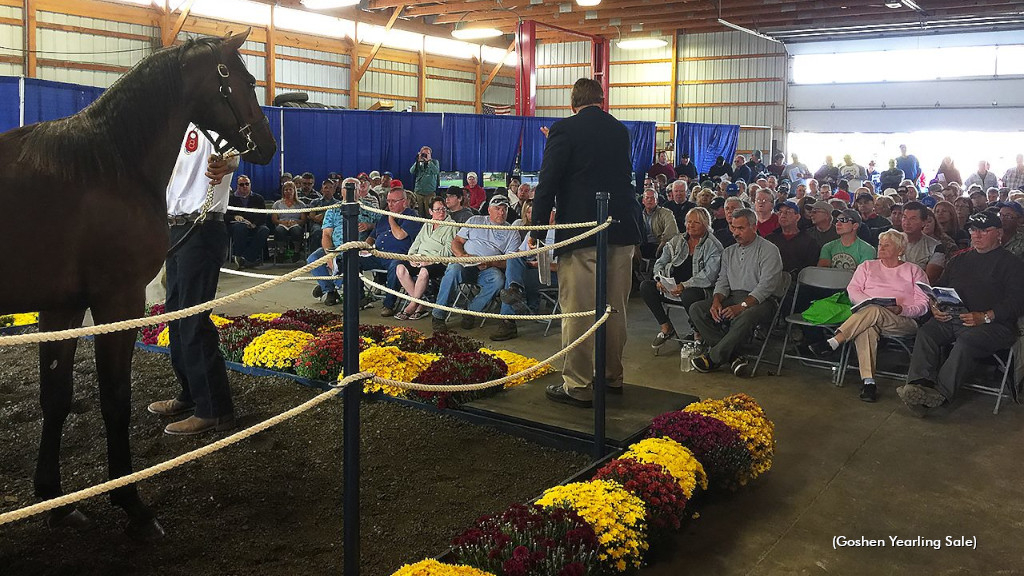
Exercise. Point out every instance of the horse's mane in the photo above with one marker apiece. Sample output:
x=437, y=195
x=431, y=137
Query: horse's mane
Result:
x=108, y=135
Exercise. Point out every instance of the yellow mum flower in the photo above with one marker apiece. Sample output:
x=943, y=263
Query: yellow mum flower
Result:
x=743, y=414
x=616, y=516
x=164, y=338
x=435, y=568
x=219, y=321
x=394, y=364
x=676, y=459
x=25, y=319
x=276, y=349
x=268, y=316
x=518, y=363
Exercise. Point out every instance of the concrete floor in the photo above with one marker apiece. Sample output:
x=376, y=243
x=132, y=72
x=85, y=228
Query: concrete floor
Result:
x=843, y=468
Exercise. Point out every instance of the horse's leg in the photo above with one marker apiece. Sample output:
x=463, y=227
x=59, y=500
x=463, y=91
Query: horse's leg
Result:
x=56, y=362
x=114, y=370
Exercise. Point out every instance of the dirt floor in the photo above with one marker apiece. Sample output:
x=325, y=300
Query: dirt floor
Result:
x=270, y=505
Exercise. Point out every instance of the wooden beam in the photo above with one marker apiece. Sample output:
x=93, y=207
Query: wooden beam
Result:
x=478, y=100
x=447, y=101
x=89, y=31
x=674, y=96
x=173, y=31
x=52, y=63
x=29, y=35
x=497, y=67
x=421, y=84
x=376, y=47
x=270, y=60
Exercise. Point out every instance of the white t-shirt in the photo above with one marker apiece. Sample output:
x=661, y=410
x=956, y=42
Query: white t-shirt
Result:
x=186, y=189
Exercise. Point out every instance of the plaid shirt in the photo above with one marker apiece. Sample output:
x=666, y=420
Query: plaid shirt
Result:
x=1014, y=178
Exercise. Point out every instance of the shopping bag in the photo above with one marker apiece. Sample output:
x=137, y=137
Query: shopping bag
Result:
x=832, y=310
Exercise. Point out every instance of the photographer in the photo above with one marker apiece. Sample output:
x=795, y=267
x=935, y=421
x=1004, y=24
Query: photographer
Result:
x=427, y=174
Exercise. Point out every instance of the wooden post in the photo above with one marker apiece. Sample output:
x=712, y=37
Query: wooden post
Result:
x=169, y=35
x=674, y=97
x=479, y=102
x=269, y=57
x=29, y=33
x=353, y=79
x=422, y=80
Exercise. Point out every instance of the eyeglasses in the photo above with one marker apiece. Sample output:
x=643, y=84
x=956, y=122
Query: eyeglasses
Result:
x=243, y=183
x=845, y=220
x=441, y=209
x=396, y=200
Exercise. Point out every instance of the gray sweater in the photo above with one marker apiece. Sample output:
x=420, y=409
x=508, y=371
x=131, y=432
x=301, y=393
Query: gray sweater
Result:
x=755, y=268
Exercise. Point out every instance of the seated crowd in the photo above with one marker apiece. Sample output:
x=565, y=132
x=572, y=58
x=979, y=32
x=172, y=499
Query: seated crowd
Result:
x=722, y=246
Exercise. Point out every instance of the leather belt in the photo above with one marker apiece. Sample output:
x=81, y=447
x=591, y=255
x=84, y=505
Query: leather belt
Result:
x=188, y=219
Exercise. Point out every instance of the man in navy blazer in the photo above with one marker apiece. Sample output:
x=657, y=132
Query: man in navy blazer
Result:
x=587, y=153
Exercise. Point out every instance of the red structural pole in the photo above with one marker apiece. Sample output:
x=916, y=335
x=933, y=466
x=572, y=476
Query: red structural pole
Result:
x=526, y=68
x=599, y=57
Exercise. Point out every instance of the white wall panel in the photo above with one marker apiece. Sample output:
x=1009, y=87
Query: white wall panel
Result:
x=500, y=95
x=11, y=40
x=86, y=77
x=450, y=90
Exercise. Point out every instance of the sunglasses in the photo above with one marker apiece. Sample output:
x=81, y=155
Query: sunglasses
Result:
x=845, y=220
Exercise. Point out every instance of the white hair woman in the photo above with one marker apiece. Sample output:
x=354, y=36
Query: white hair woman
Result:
x=691, y=260
x=886, y=277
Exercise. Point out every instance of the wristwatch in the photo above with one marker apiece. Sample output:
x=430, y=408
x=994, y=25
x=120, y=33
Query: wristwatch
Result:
x=743, y=304
x=988, y=319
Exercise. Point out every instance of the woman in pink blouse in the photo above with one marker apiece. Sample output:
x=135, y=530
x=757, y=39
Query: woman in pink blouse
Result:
x=886, y=277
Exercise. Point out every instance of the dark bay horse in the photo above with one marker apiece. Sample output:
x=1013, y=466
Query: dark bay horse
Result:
x=91, y=229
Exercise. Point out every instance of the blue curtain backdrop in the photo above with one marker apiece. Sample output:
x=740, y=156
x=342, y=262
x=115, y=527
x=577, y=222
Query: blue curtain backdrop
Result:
x=10, y=103
x=642, y=136
x=354, y=141
x=705, y=142
x=475, y=143
x=265, y=179
x=533, y=142
x=48, y=100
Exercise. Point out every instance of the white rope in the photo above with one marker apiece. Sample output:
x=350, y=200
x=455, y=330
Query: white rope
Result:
x=486, y=226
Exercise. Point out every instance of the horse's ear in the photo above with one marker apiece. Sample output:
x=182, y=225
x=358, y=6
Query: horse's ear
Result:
x=235, y=41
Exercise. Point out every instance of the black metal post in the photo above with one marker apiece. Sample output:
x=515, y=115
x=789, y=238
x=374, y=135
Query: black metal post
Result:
x=600, y=337
x=353, y=393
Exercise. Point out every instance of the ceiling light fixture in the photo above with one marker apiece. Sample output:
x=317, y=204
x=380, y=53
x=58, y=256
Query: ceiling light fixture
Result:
x=641, y=43
x=739, y=28
x=328, y=4
x=588, y=2
x=464, y=32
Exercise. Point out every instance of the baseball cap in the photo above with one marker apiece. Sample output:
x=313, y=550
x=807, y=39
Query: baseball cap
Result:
x=498, y=200
x=787, y=204
x=717, y=203
x=864, y=196
x=1012, y=206
x=732, y=190
x=374, y=175
x=396, y=183
x=984, y=221
x=935, y=187
x=363, y=176
x=823, y=206
x=889, y=192
x=977, y=192
x=386, y=173
x=851, y=214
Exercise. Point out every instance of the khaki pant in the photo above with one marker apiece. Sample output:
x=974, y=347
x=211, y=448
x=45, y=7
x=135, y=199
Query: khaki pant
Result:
x=577, y=273
x=421, y=203
x=866, y=326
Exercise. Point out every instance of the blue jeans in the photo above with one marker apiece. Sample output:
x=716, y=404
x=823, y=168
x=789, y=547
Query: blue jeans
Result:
x=365, y=263
x=490, y=281
x=248, y=242
x=517, y=272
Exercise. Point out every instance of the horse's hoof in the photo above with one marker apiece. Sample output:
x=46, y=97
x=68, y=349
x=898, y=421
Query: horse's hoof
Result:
x=145, y=530
x=73, y=519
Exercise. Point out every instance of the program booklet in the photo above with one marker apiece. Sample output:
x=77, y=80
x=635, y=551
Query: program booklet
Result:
x=670, y=285
x=879, y=301
x=946, y=299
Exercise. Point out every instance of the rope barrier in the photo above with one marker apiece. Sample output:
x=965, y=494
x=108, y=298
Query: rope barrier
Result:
x=168, y=316
x=116, y=483
x=498, y=258
x=501, y=381
x=383, y=212
x=373, y=284
x=566, y=226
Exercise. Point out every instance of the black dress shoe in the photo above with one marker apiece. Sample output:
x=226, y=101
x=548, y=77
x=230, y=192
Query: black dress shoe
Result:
x=821, y=349
x=869, y=393
x=557, y=393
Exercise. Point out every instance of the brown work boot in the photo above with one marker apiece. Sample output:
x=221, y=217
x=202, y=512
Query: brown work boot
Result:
x=170, y=407
x=196, y=425
x=506, y=331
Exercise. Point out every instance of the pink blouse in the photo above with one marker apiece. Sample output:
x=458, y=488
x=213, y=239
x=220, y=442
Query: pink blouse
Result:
x=872, y=279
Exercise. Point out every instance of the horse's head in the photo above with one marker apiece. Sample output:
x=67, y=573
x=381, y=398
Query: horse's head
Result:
x=225, y=97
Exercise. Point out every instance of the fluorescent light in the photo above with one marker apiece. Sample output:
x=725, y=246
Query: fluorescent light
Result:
x=475, y=33
x=728, y=24
x=588, y=2
x=328, y=4
x=641, y=43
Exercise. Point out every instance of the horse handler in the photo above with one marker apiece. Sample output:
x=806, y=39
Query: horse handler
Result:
x=193, y=269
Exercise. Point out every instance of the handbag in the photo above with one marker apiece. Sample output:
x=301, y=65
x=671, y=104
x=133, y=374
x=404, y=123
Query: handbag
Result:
x=832, y=310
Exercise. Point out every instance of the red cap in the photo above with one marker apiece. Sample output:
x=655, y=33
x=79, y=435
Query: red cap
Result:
x=363, y=176
x=396, y=183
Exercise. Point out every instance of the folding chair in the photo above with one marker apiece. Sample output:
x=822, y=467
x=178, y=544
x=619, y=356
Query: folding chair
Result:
x=550, y=295
x=786, y=281
x=827, y=279
x=1007, y=368
x=466, y=292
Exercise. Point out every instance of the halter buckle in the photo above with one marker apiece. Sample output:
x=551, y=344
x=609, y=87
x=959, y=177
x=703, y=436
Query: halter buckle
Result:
x=223, y=71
